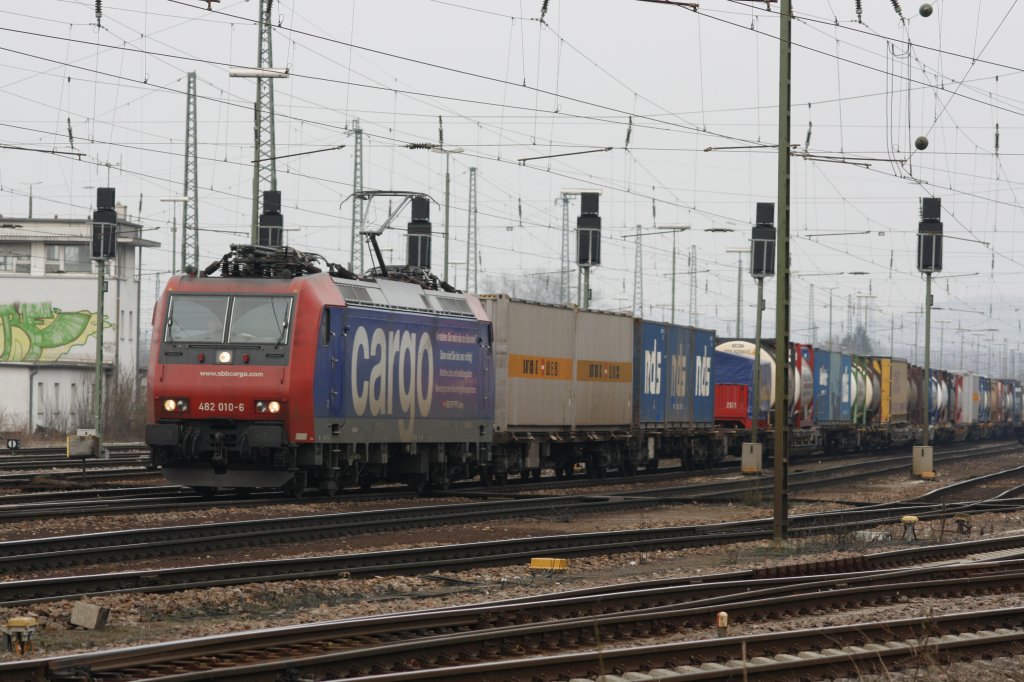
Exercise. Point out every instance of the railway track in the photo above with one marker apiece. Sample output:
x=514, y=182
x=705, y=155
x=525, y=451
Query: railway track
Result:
x=160, y=498
x=401, y=562
x=93, y=548
x=513, y=639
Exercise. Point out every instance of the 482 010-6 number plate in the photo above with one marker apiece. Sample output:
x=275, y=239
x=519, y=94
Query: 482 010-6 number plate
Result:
x=210, y=406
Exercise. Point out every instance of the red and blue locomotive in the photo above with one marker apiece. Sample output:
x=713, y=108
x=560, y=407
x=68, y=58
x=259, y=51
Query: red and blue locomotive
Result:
x=278, y=374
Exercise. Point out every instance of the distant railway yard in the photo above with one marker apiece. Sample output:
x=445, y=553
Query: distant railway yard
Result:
x=882, y=574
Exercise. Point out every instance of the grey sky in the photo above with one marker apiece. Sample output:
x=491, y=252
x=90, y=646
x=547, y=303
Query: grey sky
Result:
x=690, y=81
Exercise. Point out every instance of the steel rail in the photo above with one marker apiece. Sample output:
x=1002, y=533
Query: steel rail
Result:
x=147, y=542
x=834, y=652
x=484, y=630
x=426, y=559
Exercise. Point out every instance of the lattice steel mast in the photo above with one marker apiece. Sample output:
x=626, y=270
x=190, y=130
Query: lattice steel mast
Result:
x=264, y=171
x=356, y=264
x=190, y=210
x=471, y=242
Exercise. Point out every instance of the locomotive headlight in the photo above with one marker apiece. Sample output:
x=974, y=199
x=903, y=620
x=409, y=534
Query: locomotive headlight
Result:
x=224, y=357
x=176, y=405
x=265, y=406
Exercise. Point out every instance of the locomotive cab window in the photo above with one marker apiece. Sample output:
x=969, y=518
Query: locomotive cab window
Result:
x=196, y=319
x=259, y=319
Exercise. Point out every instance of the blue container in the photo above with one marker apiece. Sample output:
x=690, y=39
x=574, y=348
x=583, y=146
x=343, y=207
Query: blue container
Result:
x=845, y=380
x=673, y=376
x=651, y=371
x=832, y=378
x=703, y=353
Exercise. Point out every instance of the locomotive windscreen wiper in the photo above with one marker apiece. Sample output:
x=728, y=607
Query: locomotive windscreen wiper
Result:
x=284, y=331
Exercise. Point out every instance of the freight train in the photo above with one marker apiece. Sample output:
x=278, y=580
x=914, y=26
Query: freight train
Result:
x=281, y=373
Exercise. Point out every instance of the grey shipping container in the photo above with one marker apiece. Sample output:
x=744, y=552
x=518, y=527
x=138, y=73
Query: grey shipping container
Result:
x=559, y=369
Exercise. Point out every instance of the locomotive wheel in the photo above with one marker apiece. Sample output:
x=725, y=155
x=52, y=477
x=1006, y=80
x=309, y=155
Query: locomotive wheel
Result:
x=418, y=483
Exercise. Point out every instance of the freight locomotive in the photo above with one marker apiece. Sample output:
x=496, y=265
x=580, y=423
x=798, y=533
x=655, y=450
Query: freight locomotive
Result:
x=283, y=373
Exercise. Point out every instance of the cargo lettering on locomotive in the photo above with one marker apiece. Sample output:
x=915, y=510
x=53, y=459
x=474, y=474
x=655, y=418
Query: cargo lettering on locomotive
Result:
x=402, y=364
x=652, y=371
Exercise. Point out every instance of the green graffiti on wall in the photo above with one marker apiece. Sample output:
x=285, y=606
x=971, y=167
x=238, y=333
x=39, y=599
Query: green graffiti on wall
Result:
x=38, y=332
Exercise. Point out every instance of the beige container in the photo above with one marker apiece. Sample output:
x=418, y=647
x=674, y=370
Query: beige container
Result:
x=899, y=387
x=604, y=370
x=558, y=369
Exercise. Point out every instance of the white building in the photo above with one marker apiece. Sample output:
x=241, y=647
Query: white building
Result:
x=48, y=322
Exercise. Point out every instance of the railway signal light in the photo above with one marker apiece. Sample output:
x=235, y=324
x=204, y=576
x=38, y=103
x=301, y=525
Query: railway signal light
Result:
x=588, y=230
x=271, y=226
x=762, y=242
x=420, y=233
x=929, y=236
x=104, y=225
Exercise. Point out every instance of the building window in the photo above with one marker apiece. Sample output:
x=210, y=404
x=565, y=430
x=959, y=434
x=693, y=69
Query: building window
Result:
x=15, y=257
x=68, y=258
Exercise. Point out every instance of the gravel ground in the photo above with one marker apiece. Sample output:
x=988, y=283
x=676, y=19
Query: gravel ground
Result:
x=145, y=618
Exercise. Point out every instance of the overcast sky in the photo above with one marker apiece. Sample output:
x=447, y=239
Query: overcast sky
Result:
x=701, y=88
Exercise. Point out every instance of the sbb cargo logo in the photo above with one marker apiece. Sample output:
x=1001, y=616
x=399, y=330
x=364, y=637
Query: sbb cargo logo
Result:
x=390, y=365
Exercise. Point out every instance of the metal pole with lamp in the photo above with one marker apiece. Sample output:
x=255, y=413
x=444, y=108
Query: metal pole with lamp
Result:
x=929, y=260
x=739, y=289
x=174, y=232
x=263, y=125
x=675, y=230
